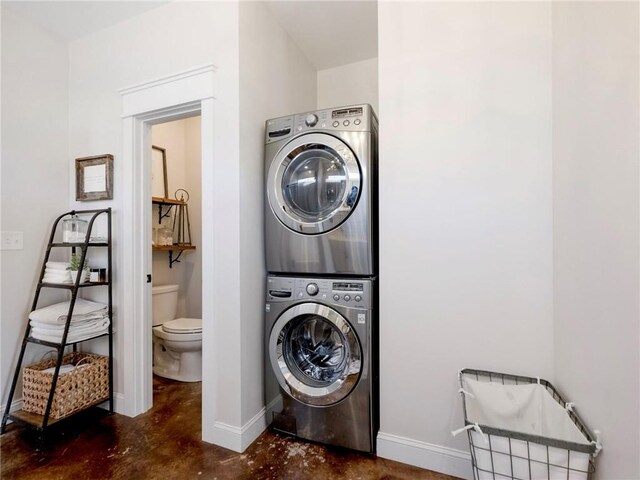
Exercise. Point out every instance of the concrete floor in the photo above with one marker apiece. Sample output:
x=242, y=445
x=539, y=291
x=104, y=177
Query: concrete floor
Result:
x=164, y=443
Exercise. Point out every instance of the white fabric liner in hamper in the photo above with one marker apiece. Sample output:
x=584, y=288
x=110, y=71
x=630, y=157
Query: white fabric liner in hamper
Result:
x=524, y=408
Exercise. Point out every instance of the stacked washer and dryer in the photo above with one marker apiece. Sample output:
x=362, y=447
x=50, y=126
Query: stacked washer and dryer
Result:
x=321, y=375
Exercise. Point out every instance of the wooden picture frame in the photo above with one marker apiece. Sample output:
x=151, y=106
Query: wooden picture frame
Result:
x=159, y=186
x=94, y=178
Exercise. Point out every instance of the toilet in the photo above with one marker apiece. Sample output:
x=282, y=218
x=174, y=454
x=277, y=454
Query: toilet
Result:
x=177, y=342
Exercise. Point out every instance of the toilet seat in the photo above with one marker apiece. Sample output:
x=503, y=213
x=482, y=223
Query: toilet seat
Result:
x=177, y=337
x=183, y=326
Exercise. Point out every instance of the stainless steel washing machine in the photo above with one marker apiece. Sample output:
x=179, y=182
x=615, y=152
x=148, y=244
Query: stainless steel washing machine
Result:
x=321, y=369
x=321, y=192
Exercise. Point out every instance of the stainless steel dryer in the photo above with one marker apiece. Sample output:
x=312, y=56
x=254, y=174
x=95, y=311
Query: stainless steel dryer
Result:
x=321, y=189
x=321, y=380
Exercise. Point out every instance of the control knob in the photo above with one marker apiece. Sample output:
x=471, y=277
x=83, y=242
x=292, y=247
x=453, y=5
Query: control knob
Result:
x=312, y=289
x=311, y=120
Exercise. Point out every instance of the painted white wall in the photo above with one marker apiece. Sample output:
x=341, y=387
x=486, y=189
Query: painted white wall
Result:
x=349, y=84
x=465, y=209
x=596, y=187
x=275, y=79
x=181, y=139
x=35, y=170
x=192, y=262
x=161, y=42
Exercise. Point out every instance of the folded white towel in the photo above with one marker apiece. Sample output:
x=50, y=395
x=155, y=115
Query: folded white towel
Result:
x=54, y=276
x=89, y=322
x=57, y=265
x=59, y=329
x=73, y=336
x=57, y=313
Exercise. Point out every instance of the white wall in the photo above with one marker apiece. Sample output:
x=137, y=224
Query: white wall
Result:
x=596, y=188
x=275, y=79
x=181, y=139
x=192, y=262
x=34, y=171
x=465, y=211
x=161, y=42
x=349, y=84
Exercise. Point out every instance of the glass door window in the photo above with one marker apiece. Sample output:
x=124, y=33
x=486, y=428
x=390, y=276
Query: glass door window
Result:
x=313, y=184
x=315, y=354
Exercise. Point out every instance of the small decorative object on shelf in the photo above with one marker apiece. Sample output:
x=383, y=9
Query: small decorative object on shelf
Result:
x=159, y=182
x=74, y=229
x=78, y=269
x=181, y=223
x=177, y=239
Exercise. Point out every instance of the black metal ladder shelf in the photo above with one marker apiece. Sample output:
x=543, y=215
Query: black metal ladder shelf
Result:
x=41, y=422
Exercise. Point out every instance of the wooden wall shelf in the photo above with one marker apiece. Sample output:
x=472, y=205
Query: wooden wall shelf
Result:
x=166, y=201
x=173, y=248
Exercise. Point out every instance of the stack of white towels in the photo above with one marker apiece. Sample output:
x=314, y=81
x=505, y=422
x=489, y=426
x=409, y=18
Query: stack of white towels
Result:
x=57, y=272
x=89, y=319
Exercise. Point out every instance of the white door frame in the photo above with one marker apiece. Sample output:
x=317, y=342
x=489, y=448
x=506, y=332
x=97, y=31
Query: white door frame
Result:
x=170, y=98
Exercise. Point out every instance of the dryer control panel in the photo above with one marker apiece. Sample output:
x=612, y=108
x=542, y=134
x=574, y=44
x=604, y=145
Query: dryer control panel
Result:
x=343, y=292
x=355, y=118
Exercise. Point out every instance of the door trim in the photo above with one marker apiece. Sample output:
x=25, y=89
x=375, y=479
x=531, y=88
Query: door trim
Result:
x=182, y=95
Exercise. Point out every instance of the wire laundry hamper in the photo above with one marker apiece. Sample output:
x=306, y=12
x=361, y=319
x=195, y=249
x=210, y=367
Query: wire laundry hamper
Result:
x=499, y=453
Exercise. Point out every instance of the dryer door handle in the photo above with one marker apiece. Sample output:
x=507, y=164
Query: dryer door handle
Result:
x=353, y=196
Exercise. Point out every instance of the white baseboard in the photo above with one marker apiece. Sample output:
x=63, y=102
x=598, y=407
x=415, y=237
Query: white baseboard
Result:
x=425, y=455
x=239, y=438
x=118, y=403
x=15, y=405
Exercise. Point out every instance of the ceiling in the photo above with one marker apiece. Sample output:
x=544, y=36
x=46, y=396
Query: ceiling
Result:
x=70, y=20
x=330, y=33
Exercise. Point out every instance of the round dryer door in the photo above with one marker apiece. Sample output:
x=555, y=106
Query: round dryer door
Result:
x=315, y=354
x=313, y=183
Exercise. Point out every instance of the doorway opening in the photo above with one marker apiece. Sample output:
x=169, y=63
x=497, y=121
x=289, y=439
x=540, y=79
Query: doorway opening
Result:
x=182, y=95
x=176, y=219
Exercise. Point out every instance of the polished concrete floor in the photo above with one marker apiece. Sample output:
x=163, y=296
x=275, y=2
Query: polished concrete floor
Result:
x=164, y=443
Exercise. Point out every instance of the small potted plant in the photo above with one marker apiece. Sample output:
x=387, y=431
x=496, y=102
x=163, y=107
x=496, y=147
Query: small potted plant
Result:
x=76, y=268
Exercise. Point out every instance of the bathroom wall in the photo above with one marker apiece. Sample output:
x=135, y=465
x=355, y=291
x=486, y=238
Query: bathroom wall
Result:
x=465, y=212
x=35, y=170
x=348, y=84
x=596, y=185
x=181, y=139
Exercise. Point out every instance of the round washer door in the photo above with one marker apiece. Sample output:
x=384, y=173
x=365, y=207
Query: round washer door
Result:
x=313, y=183
x=316, y=356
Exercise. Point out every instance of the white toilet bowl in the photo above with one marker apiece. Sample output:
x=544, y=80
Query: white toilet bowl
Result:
x=177, y=344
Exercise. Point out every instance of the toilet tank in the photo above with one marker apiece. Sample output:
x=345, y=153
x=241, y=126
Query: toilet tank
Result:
x=164, y=303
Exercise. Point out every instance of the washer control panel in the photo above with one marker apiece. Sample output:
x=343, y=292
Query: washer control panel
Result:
x=356, y=118
x=344, y=292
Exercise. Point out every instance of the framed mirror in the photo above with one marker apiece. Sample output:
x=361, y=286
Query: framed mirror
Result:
x=159, y=182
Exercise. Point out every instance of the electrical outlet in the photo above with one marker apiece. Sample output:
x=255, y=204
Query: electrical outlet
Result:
x=11, y=241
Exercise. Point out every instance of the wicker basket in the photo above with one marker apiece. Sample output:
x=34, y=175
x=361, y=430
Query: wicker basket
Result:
x=85, y=385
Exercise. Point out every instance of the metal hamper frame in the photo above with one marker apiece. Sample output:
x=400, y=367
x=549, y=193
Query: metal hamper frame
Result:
x=489, y=431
